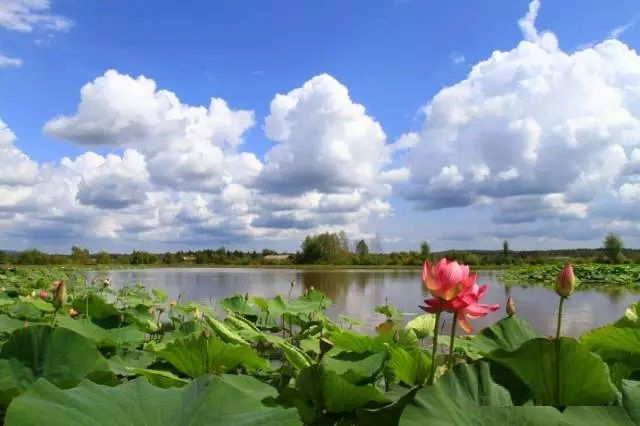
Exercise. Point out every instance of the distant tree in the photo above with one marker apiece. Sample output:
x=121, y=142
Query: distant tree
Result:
x=139, y=257
x=267, y=252
x=312, y=251
x=613, y=246
x=505, y=248
x=103, y=258
x=80, y=255
x=33, y=257
x=168, y=258
x=425, y=250
x=362, y=249
x=327, y=248
x=4, y=257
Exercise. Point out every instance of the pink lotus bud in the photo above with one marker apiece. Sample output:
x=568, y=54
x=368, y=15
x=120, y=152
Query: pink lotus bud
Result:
x=44, y=294
x=566, y=282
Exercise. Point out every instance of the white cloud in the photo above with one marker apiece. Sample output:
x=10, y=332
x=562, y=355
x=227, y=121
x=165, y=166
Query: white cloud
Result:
x=6, y=61
x=186, y=147
x=183, y=177
x=7, y=137
x=330, y=162
x=540, y=135
x=29, y=15
x=534, y=143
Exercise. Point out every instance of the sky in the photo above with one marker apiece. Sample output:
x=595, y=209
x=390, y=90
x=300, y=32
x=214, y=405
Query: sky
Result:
x=250, y=124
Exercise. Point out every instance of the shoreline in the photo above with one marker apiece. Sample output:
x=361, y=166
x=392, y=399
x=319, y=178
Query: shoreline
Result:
x=254, y=266
x=601, y=278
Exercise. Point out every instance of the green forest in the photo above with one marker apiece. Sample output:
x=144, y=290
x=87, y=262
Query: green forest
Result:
x=332, y=249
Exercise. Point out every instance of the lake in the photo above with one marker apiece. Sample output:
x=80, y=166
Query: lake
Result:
x=357, y=292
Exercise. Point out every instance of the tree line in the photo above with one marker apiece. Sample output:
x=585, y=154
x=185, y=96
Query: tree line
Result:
x=331, y=249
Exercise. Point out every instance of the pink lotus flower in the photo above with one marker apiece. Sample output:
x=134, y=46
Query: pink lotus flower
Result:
x=466, y=305
x=445, y=279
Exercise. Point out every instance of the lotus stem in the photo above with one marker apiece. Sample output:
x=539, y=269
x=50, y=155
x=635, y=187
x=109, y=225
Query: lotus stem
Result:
x=557, y=343
x=560, y=317
x=453, y=335
x=434, y=350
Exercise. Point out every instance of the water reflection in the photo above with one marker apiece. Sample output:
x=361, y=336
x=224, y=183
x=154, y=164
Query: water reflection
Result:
x=356, y=293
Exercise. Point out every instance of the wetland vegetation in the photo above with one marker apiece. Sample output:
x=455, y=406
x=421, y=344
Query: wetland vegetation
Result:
x=73, y=350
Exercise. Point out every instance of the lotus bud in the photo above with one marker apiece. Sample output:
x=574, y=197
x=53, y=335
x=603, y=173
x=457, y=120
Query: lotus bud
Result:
x=44, y=294
x=72, y=312
x=33, y=293
x=566, y=282
x=325, y=345
x=246, y=297
x=172, y=304
x=511, y=307
x=60, y=294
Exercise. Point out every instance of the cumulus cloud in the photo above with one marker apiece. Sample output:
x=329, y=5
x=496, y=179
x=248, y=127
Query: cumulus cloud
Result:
x=185, y=147
x=179, y=173
x=324, y=141
x=535, y=133
x=330, y=162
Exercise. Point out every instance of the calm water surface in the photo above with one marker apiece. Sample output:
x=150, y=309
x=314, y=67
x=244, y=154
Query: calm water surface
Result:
x=356, y=293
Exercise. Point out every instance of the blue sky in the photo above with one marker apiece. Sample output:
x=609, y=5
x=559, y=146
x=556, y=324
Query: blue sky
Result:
x=92, y=160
